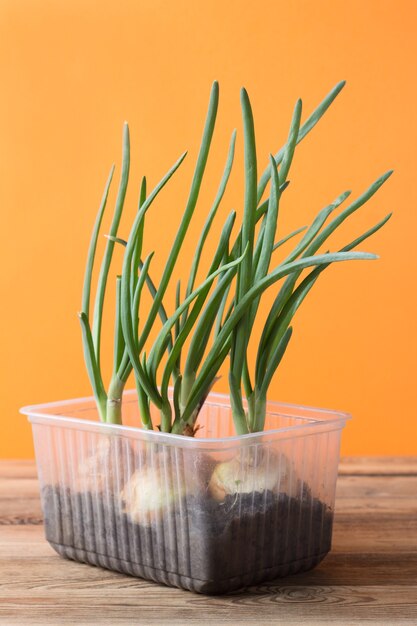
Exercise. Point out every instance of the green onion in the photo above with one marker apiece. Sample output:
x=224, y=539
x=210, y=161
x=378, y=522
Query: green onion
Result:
x=214, y=318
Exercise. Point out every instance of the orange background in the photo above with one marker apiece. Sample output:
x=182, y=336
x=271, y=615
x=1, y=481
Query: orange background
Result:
x=71, y=72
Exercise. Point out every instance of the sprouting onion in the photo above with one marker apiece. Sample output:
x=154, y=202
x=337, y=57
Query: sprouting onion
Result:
x=277, y=330
x=213, y=317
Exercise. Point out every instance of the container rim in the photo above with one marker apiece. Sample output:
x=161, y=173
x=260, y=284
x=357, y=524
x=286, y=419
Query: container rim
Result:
x=324, y=420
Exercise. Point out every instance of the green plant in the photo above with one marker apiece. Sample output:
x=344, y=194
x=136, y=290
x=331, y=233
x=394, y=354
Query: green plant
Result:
x=215, y=320
x=254, y=269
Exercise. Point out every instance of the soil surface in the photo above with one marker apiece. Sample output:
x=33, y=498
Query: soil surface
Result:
x=198, y=544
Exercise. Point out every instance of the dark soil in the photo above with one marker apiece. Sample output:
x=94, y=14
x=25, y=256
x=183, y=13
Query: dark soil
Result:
x=199, y=544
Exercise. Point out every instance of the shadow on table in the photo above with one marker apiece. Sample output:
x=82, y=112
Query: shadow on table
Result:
x=339, y=569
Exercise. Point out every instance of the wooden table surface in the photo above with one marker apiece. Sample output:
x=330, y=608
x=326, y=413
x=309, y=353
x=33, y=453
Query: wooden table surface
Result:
x=370, y=577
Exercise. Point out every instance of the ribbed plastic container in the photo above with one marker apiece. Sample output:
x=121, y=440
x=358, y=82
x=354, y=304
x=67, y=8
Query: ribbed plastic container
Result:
x=210, y=514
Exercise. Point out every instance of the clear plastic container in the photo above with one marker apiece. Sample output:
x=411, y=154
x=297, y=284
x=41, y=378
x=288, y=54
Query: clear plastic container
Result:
x=210, y=514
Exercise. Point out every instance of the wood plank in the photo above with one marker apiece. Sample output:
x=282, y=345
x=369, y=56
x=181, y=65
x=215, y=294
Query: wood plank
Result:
x=369, y=577
x=344, y=586
x=369, y=487
x=20, y=510
x=387, y=495
x=17, y=468
x=19, y=493
x=378, y=537
x=370, y=466
x=275, y=604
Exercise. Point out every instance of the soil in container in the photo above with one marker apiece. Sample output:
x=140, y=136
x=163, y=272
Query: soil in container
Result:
x=196, y=542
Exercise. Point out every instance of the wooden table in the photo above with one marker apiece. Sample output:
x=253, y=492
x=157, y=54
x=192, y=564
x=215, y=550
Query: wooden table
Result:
x=370, y=577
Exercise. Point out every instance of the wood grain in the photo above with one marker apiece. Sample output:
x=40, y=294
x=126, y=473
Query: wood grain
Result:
x=378, y=466
x=369, y=577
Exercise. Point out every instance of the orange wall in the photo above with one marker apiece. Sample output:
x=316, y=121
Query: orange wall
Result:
x=71, y=72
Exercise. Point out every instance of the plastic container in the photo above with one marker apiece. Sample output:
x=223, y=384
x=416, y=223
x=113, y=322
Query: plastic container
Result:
x=210, y=514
